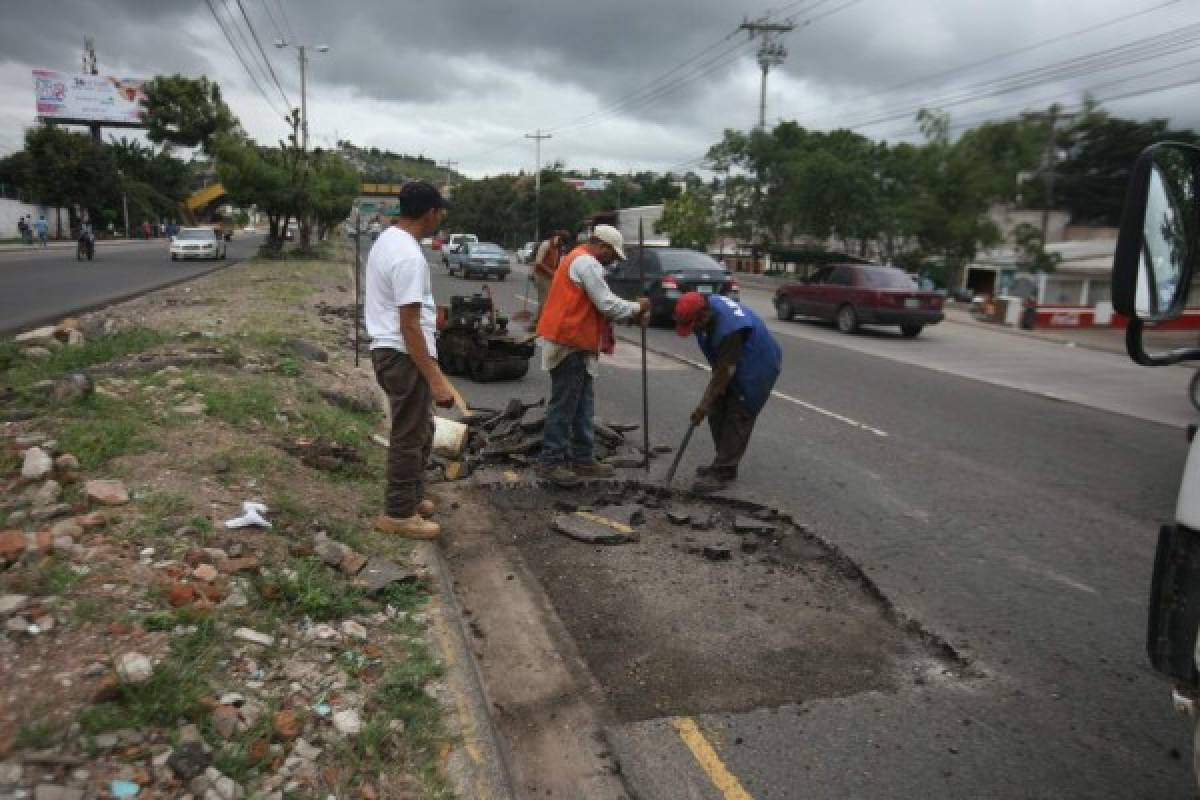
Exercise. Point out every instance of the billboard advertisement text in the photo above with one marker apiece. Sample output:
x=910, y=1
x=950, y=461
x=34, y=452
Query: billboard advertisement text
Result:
x=71, y=97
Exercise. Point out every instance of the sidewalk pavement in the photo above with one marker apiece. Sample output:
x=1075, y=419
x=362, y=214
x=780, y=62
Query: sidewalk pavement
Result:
x=69, y=244
x=1109, y=340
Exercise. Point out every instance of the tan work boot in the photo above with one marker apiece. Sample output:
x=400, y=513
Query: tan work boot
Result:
x=414, y=527
x=425, y=508
x=593, y=469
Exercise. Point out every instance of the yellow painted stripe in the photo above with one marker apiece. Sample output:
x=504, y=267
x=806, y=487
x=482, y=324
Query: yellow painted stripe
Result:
x=709, y=761
x=606, y=522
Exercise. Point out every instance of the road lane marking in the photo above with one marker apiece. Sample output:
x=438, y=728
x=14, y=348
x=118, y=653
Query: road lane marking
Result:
x=853, y=423
x=709, y=761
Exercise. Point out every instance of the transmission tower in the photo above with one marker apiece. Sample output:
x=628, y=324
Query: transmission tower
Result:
x=771, y=53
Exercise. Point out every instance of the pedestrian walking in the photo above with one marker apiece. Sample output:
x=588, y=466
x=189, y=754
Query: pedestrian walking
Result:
x=575, y=328
x=545, y=264
x=401, y=319
x=23, y=231
x=42, y=227
x=745, y=362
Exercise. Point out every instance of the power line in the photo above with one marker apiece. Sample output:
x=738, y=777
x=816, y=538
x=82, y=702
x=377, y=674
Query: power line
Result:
x=241, y=58
x=254, y=58
x=1147, y=49
x=274, y=22
x=266, y=58
x=291, y=37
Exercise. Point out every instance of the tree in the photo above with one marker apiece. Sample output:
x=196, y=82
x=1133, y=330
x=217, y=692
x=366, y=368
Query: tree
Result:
x=688, y=221
x=154, y=181
x=68, y=169
x=258, y=176
x=334, y=186
x=1031, y=249
x=1099, y=153
x=187, y=112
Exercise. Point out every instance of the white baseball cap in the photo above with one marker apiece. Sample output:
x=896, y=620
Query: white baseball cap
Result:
x=611, y=237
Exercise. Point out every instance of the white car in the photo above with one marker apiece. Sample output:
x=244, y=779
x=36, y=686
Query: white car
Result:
x=197, y=243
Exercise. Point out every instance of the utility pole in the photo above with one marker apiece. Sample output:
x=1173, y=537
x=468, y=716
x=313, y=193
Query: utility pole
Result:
x=771, y=53
x=537, y=181
x=302, y=50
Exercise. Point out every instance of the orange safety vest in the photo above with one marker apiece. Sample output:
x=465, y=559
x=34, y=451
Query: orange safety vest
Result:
x=570, y=318
x=550, y=265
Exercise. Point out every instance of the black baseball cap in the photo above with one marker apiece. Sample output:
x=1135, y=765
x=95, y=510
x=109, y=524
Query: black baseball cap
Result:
x=418, y=197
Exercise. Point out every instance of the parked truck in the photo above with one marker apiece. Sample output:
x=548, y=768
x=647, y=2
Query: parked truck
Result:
x=1155, y=263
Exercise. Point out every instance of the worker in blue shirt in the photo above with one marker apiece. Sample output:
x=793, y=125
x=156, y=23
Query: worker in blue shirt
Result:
x=745, y=362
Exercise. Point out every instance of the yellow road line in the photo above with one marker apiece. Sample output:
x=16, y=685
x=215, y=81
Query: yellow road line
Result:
x=709, y=761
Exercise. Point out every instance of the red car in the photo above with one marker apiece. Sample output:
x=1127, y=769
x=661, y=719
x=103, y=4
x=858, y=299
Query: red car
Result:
x=850, y=295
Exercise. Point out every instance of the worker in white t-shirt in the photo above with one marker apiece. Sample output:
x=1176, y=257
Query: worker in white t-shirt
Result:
x=401, y=319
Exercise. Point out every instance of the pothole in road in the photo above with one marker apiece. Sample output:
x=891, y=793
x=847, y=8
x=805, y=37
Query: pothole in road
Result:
x=694, y=617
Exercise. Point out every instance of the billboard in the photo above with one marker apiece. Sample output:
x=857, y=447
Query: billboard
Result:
x=72, y=97
x=588, y=184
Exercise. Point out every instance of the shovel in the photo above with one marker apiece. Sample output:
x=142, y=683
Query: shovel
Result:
x=687, y=437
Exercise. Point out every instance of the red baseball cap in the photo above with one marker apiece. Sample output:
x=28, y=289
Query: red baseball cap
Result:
x=687, y=310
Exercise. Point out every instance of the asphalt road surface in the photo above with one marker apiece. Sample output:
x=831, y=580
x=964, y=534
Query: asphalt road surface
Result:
x=1004, y=492
x=38, y=285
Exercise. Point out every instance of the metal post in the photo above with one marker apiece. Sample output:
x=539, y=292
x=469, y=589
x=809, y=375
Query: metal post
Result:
x=125, y=208
x=357, y=295
x=642, y=325
x=762, y=100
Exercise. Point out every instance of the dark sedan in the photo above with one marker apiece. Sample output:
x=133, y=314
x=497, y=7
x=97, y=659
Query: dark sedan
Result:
x=664, y=274
x=850, y=295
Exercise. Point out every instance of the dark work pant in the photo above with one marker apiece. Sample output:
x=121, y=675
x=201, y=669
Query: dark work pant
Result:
x=731, y=424
x=411, y=441
x=569, y=431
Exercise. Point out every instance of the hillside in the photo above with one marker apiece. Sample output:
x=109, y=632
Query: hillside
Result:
x=384, y=166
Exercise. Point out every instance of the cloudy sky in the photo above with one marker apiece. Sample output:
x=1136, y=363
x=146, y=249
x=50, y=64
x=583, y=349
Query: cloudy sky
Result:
x=621, y=85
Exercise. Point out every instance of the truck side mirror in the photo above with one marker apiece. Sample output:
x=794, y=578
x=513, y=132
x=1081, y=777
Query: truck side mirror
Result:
x=1158, y=245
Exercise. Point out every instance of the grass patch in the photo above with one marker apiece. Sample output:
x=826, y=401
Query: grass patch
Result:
x=88, y=611
x=69, y=359
x=47, y=578
x=176, y=690
x=101, y=429
x=41, y=734
x=307, y=588
x=250, y=401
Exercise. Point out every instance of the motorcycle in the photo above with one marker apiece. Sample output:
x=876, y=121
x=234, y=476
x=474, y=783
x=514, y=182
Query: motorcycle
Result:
x=86, y=246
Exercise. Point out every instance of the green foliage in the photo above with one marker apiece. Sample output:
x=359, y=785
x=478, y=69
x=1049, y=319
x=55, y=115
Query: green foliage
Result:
x=307, y=588
x=100, y=429
x=64, y=169
x=688, y=221
x=1031, y=250
x=187, y=112
x=384, y=166
x=38, y=734
x=176, y=690
x=502, y=208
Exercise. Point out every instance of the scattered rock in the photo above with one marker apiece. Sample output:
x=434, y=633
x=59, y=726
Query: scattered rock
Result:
x=134, y=668
x=92, y=521
x=347, y=401
x=679, y=517
x=72, y=388
x=51, y=791
x=37, y=464
x=354, y=630
x=352, y=563
x=232, y=566
x=205, y=572
x=749, y=546
x=106, y=492
x=590, y=528
x=43, y=334
x=12, y=545
x=329, y=551
x=379, y=573
x=627, y=515
x=181, y=595
x=286, y=725
x=306, y=751
x=66, y=527
x=50, y=512
x=189, y=760
x=47, y=494
x=225, y=721
x=37, y=353
x=718, y=553
x=76, y=339
x=347, y=723
x=66, y=463
x=306, y=349
x=254, y=637
x=197, y=409
x=746, y=525
x=12, y=603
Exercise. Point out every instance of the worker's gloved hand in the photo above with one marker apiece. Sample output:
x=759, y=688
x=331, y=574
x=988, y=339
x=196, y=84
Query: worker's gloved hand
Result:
x=700, y=413
x=643, y=315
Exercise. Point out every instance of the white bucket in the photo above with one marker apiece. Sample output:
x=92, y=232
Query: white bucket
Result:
x=449, y=437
